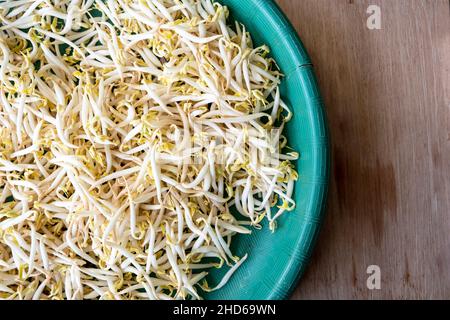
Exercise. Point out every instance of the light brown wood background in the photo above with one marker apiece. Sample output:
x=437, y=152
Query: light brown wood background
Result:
x=387, y=95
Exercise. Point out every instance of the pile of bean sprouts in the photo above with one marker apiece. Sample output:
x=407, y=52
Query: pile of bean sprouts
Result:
x=137, y=137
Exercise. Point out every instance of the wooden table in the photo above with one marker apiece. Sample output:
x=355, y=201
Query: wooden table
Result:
x=387, y=95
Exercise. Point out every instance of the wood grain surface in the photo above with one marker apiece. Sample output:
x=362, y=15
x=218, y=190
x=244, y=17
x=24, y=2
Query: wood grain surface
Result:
x=387, y=95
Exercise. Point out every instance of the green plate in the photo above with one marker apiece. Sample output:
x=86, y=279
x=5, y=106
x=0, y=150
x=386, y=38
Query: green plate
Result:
x=277, y=260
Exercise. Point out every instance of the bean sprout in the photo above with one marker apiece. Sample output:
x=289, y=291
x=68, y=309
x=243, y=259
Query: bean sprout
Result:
x=137, y=138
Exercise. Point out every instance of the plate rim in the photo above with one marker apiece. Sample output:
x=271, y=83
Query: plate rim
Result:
x=304, y=70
